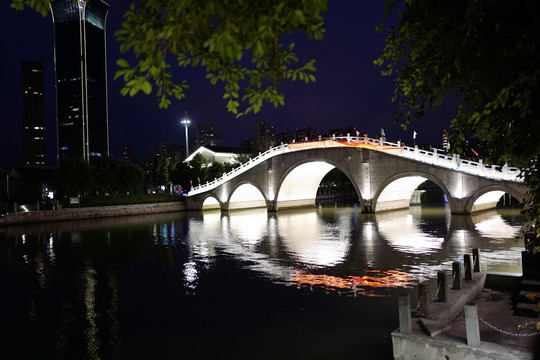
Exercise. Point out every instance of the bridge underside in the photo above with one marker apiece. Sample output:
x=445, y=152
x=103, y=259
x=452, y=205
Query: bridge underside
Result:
x=299, y=190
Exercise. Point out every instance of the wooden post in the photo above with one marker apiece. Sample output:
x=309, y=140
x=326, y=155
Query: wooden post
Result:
x=468, y=268
x=405, y=313
x=423, y=299
x=476, y=260
x=456, y=274
x=471, y=325
x=441, y=286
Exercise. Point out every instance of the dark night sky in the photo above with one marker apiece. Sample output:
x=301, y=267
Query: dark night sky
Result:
x=349, y=89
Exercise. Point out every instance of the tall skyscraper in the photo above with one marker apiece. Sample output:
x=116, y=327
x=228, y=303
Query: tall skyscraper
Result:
x=81, y=78
x=265, y=135
x=206, y=135
x=33, y=111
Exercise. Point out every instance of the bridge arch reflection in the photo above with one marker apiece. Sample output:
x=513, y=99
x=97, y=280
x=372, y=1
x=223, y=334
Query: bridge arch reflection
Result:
x=327, y=246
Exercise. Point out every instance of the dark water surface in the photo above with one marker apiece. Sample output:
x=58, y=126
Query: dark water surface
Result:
x=317, y=284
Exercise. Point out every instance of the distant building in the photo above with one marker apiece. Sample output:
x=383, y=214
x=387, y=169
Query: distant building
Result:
x=349, y=130
x=128, y=153
x=265, y=135
x=168, y=150
x=81, y=78
x=218, y=154
x=33, y=112
x=296, y=135
x=206, y=135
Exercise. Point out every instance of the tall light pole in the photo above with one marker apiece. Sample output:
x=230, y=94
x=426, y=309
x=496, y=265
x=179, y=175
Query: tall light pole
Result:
x=185, y=121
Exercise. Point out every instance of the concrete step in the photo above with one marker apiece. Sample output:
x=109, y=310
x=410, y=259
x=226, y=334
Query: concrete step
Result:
x=522, y=297
x=530, y=285
x=526, y=310
x=531, y=274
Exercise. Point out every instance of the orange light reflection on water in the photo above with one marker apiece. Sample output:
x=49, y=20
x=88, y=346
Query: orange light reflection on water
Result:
x=361, y=284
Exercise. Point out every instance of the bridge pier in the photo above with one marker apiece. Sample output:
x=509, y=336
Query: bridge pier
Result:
x=271, y=206
x=367, y=208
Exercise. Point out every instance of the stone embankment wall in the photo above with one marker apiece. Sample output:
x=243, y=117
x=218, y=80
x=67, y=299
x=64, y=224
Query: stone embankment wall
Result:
x=90, y=212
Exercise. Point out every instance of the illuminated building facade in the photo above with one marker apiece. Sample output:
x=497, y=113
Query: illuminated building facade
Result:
x=265, y=135
x=206, y=135
x=33, y=111
x=81, y=78
x=303, y=134
x=168, y=150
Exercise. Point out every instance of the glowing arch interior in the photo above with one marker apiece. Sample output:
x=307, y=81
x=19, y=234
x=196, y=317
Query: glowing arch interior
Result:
x=398, y=193
x=246, y=196
x=300, y=186
x=487, y=201
x=210, y=203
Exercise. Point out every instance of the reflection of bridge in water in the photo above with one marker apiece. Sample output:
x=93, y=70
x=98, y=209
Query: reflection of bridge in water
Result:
x=383, y=174
x=337, y=249
x=275, y=245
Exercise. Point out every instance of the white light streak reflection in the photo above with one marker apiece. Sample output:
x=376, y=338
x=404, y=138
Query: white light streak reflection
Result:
x=496, y=228
x=249, y=226
x=313, y=242
x=191, y=275
x=50, y=249
x=215, y=233
x=402, y=233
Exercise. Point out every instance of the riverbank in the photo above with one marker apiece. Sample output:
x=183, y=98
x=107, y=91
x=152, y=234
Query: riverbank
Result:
x=503, y=335
x=76, y=213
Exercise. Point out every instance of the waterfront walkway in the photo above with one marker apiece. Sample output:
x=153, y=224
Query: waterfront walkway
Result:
x=503, y=336
x=77, y=213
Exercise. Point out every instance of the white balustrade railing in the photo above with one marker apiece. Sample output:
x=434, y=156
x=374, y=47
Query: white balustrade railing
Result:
x=435, y=158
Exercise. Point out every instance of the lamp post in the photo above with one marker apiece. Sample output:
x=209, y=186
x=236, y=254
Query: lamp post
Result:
x=185, y=121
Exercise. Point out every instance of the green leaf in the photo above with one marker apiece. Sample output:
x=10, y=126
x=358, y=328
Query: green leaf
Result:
x=122, y=63
x=146, y=87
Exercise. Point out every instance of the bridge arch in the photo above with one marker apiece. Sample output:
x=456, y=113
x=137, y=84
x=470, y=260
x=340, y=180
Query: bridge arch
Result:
x=210, y=202
x=245, y=195
x=396, y=192
x=488, y=197
x=299, y=184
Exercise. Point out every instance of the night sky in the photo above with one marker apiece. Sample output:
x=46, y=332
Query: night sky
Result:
x=349, y=89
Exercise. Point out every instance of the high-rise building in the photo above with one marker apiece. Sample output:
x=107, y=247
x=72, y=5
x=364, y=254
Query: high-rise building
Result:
x=128, y=152
x=33, y=111
x=81, y=78
x=293, y=135
x=206, y=135
x=168, y=150
x=265, y=135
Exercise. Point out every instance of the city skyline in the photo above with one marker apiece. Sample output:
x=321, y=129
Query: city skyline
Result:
x=81, y=78
x=349, y=89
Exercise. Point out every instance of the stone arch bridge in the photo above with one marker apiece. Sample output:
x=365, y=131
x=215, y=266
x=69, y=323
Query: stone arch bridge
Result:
x=384, y=175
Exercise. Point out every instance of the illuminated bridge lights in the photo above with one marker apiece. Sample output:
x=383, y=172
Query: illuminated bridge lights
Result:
x=428, y=157
x=296, y=184
x=342, y=143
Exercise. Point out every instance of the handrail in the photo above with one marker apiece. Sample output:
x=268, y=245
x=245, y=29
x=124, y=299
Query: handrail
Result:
x=425, y=156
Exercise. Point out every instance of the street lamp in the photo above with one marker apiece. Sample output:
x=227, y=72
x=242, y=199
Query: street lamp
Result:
x=185, y=121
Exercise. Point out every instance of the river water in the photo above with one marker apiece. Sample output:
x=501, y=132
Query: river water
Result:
x=318, y=284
